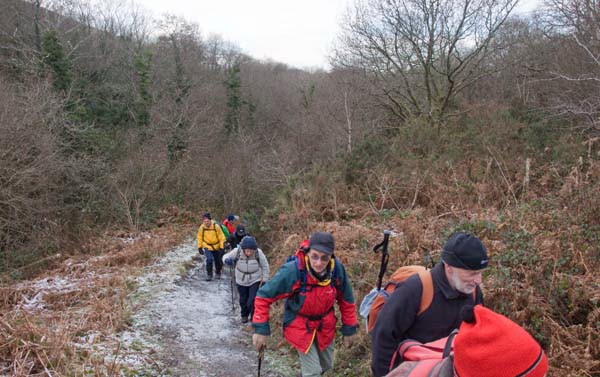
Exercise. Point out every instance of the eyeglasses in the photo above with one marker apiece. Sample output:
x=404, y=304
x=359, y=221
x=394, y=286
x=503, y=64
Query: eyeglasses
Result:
x=316, y=258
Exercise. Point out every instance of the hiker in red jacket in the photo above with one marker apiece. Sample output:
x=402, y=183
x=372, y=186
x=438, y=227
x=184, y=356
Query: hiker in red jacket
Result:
x=488, y=344
x=454, y=280
x=311, y=284
x=230, y=222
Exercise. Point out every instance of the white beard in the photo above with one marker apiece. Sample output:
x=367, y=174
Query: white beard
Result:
x=460, y=286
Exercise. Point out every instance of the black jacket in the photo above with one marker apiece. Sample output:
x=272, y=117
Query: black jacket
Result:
x=234, y=239
x=398, y=318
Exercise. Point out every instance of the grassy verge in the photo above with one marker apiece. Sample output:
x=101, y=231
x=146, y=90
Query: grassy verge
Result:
x=50, y=324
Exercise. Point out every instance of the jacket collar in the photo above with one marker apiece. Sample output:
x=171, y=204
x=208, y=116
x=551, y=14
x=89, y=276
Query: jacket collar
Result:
x=440, y=281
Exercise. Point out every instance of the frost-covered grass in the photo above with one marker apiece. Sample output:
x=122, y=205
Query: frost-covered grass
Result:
x=56, y=323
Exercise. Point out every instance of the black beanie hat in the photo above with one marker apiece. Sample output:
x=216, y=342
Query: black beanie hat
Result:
x=464, y=250
x=206, y=215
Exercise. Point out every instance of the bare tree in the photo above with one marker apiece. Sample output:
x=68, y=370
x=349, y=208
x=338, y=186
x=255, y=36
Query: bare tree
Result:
x=421, y=53
x=573, y=28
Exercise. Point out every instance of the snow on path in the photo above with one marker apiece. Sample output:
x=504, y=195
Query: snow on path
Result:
x=186, y=326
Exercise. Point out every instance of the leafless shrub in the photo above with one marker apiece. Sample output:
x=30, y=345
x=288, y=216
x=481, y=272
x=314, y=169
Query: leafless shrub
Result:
x=30, y=166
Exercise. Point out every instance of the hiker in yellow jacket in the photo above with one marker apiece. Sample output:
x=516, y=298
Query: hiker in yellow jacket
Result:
x=211, y=242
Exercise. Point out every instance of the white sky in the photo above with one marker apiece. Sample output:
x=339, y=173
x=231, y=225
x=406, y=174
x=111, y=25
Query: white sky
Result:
x=296, y=32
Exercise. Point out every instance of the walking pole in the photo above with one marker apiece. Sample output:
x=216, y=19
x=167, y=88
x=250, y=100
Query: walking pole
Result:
x=260, y=357
x=385, y=256
x=232, y=278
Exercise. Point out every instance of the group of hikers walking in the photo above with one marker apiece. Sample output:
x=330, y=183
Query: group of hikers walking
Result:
x=428, y=323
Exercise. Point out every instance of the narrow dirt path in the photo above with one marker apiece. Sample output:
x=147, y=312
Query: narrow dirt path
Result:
x=186, y=326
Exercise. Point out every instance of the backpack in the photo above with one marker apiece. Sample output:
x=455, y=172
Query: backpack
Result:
x=214, y=230
x=373, y=302
x=223, y=228
x=423, y=359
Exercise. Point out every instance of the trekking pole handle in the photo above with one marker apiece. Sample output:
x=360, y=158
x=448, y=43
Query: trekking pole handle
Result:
x=384, y=256
x=383, y=245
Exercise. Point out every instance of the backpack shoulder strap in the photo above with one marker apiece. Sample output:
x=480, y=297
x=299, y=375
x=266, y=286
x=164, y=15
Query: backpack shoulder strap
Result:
x=334, y=273
x=477, y=295
x=301, y=273
x=427, y=295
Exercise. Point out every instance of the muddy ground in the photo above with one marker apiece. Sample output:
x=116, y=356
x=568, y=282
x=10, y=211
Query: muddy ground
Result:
x=183, y=325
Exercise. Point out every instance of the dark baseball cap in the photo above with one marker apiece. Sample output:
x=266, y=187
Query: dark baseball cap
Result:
x=464, y=250
x=322, y=241
x=240, y=230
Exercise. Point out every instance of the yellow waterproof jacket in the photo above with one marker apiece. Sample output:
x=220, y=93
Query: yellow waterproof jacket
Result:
x=211, y=238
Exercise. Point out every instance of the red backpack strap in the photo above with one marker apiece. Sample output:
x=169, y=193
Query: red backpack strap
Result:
x=427, y=295
x=304, y=246
x=300, y=264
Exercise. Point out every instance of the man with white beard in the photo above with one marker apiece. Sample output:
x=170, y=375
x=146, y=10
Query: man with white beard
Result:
x=456, y=281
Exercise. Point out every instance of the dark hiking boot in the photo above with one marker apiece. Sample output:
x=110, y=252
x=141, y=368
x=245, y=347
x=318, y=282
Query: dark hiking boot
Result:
x=208, y=277
x=244, y=319
x=218, y=275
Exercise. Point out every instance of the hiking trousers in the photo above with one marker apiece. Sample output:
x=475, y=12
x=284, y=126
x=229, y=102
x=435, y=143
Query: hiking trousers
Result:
x=315, y=362
x=214, y=256
x=247, y=296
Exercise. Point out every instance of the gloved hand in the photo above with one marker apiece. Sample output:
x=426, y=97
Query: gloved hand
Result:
x=201, y=251
x=229, y=261
x=349, y=340
x=259, y=341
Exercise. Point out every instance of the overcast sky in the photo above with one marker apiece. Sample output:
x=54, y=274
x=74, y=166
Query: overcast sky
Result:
x=296, y=32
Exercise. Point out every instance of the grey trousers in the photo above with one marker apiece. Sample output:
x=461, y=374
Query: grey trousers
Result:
x=315, y=362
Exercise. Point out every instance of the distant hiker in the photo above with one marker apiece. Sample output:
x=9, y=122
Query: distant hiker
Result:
x=487, y=344
x=211, y=242
x=455, y=284
x=310, y=283
x=251, y=269
x=236, y=237
x=229, y=222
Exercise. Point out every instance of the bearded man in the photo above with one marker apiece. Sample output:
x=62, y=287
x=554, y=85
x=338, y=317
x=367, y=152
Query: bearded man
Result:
x=456, y=281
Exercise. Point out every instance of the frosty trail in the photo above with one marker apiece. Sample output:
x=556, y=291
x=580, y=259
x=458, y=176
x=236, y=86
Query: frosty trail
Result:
x=185, y=326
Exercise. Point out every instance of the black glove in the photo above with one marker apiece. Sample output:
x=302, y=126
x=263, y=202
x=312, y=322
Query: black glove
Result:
x=201, y=251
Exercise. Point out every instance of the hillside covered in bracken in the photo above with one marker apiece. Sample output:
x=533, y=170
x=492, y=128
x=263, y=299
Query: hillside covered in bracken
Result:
x=118, y=130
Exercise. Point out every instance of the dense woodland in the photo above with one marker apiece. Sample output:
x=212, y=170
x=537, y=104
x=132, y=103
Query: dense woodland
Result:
x=435, y=116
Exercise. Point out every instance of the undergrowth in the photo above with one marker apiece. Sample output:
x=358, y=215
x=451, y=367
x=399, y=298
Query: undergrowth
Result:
x=528, y=190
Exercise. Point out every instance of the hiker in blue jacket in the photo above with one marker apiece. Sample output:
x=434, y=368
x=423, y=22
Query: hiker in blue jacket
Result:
x=455, y=284
x=251, y=270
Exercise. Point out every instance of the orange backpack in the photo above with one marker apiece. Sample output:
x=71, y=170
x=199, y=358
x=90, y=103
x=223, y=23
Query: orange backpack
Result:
x=399, y=276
